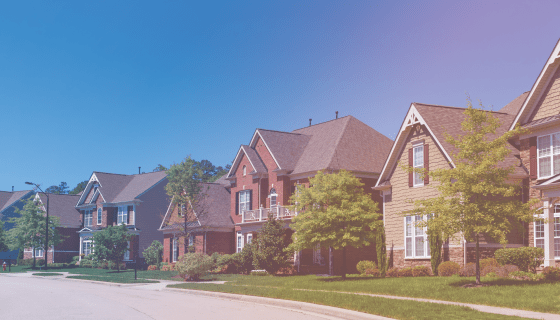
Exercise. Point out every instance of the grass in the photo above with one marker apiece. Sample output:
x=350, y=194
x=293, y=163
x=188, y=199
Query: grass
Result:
x=47, y=274
x=116, y=278
x=398, y=309
x=16, y=269
x=516, y=294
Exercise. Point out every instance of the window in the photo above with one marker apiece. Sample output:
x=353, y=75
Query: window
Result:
x=175, y=249
x=122, y=215
x=86, y=246
x=244, y=170
x=244, y=200
x=539, y=234
x=548, y=155
x=239, y=241
x=38, y=252
x=127, y=253
x=249, y=238
x=557, y=231
x=95, y=187
x=273, y=196
x=182, y=209
x=191, y=240
x=416, y=239
x=87, y=218
x=99, y=215
x=418, y=162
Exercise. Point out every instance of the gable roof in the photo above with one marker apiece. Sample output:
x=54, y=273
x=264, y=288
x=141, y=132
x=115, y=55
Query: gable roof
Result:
x=440, y=120
x=285, y=147
x=7, y=199
x=539, y=87
x=63, y=206
x=514, y=106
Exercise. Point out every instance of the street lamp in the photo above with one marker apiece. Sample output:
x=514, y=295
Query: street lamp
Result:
x=47, y=228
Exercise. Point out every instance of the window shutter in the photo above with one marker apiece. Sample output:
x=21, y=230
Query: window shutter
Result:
x=410, y=164
x=250, y=199
x=426, y=163
x=115, y=214
x=237, y=203
x=533, y=157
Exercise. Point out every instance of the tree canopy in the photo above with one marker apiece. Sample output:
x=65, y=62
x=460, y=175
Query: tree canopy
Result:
x=79, y=188
x=62, y=188
x=476, y=197
x=111, y=244
x=3, y=239
x=268, y=249
x=335, y=212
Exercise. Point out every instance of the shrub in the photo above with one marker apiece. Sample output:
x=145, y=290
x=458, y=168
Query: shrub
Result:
x=290, y=270
x=522, y=275
x=259, y=273
x=551, y=273
x=525, y=258
x=57, y=265
x=498, y=271
x=246, y=260
x=229, y=263
x=194, y=265
x=468, y=270
x=269, y=248
x=374, y=272
x=152, y=267
x=405, y=272
x=86, y=263
x=488, y=262
x=393, y=273
x=362, y=266
x=448, y=268
x=154, y=253
x=168, y=267
x=421, y=271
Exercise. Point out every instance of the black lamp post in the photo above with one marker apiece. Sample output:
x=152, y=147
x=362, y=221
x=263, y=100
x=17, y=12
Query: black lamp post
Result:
x=47, y=228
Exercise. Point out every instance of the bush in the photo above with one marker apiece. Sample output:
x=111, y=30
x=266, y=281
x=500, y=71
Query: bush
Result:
x=405, y=272
x=522, y=275
x=290, y=270
x=194, y=265
x=373, y=272
x=86, y=263
x=269, y=248
x=525, y=258
x=154, y=253
x=57, y=265
x=246, y=260
x=152, y=267
x=421, y=271
x=488, y=262
x=228, y=263
x=469, y=270
x=168, y=267
x=393, y=273
x=448, y=268
x=551, y=273
x=259, y=273
x=498, y=271
x=362, y=266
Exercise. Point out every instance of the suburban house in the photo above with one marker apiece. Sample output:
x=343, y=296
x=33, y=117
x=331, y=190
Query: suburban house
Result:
x=62, y=206
x=540, y=153
x=421, y=144
x=265, y=174
x=9, y=202
x=207, y=229
x=139, y=201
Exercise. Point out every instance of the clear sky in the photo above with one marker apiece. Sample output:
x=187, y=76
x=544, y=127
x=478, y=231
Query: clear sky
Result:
x=113, y=85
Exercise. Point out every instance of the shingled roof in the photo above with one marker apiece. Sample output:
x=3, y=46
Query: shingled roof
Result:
x=7, y=199
x=63, y=206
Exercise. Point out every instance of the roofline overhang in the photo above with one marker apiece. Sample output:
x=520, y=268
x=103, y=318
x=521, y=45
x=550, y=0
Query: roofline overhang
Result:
x=201, y=228
x=121, y=203
x=359, y=174
x=253, y=143
x=547, y=186
x=540, y=126
x=383, y=187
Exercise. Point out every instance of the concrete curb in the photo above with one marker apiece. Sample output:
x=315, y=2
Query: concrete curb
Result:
x=288, y=304
x=112, y=284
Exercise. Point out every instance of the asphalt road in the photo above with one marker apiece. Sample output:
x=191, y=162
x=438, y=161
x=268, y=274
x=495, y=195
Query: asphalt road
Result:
x=38, y=298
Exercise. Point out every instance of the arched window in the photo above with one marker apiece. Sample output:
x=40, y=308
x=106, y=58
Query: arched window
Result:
x=244, y=170
x=273, y=197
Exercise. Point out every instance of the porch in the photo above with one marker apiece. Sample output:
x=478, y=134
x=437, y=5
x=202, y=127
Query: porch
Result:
x=261, y=214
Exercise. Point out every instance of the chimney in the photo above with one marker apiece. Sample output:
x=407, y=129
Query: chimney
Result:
x=139, y=170
x=12, y=188
x=310, y=122
x=336, y=112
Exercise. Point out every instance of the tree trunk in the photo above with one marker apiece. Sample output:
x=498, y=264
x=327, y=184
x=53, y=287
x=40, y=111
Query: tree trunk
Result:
x=477, y=262
x=331, y=263
x=118, y=266
x=343, y=262
x=34, y=258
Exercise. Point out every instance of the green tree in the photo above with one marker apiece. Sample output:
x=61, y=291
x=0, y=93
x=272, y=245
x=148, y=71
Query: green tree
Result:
x=3, y=239
x=79, y=188
x=381, y=248
x=269, y=252
x=111, y=244
x=476, y=197
x=335, y=212
x=153, y=254
x=160, y=167
x=30, y=228
x=62, y=188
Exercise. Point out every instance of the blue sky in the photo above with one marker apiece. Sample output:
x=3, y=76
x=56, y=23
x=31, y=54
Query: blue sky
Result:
x=110, y=86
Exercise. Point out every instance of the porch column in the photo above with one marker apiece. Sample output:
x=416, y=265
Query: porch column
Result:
x=548, y=234
x=80, y=254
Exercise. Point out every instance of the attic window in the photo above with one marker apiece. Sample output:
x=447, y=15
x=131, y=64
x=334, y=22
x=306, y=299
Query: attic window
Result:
x=244, y=170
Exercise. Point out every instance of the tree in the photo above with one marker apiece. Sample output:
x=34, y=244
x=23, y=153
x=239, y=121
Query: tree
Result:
x=111, y=244
x=269, y=252
x=160, y=167
x=62, y=188
x=335, y=212
x=79, y=188
x=30, y=228
x=475, y=198
x=381, y=249
x=3, y=240
x=154, y=253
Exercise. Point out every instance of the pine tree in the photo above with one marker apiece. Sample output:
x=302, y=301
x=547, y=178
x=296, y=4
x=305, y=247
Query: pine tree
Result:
x=269, y=252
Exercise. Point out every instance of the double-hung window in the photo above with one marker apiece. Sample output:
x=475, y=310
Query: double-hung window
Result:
x=86, y=246
x=87, y=218
x=239, y=241
x=557, y=231
x=122, y=215
x=191, y=240
x=273, y=196
x=99, y=215
x=548, y=155
x=175, y=249
x=539, y=234
x=244, y=200
x=127, y=253
x=416, y=239
x=38, y=252
x=418, y=163
x=249, y=238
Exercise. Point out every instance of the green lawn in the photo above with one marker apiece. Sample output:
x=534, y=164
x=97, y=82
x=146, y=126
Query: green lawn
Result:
x=124, y=276
x=16, y=269
x=398, y=309
x=47, y=274
x=542, y=297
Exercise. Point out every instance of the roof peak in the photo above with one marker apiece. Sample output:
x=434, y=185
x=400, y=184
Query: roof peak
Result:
x=126, y=175
x=451, y=107
x=348, y=116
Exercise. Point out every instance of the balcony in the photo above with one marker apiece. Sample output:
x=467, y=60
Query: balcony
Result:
x=279, y=212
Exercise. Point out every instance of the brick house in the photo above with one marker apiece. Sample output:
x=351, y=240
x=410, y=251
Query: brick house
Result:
x=421, y=143
x=139, y=201
x=265, y=174
x=62, y=206
x=540, y=153
x=9, y=201
x=208, y=229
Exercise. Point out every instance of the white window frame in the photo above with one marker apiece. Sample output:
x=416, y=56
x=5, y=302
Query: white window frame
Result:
x=191, y=240
x=38, y=252
x=244, y=205
x=240, y=243
x=548, y=152
x=412, y=233
x=556, y=231
x=175, y=254
x=122, y=216
x=244, y=170
x=273, y=196
x=249, y=238
x=88, y=243
x=538, y=232
x=127, y=253
x=99, y=216
x=88, y=218
x=417, y=177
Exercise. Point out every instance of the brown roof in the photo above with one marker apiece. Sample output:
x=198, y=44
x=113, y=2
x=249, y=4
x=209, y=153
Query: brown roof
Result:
x=63, y=206
x=514, y=106
x=254, y=158
x=7, y=199
x=286, y=147
x=122, y=188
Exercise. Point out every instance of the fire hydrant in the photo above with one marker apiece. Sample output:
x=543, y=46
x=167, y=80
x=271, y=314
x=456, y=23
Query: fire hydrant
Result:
x=4, y=266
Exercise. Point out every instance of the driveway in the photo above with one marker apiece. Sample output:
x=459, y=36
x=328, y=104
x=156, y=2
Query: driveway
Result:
x=25, y=297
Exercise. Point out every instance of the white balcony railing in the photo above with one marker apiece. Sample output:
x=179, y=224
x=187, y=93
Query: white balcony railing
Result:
x=279, y=213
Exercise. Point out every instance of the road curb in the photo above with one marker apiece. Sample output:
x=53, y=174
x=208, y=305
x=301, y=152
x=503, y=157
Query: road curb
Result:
x=112, y=284
x=288, y=304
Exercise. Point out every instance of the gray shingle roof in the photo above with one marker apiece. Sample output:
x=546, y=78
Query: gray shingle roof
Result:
x=9, y=198
x=123, y=188
x=286, y=147
x=254, y=158
x=514, y=106
x=63, y=206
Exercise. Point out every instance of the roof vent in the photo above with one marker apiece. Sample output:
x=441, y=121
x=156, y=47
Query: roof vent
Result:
x=12, y=188
x=310, y=122
x=336, y=112
x=139, y=170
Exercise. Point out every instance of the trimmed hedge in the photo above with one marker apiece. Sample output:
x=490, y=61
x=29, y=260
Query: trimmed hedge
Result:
x=448, y=268
x=421, y=271
x=525, y=258
x=364, y=265
x=551, y=273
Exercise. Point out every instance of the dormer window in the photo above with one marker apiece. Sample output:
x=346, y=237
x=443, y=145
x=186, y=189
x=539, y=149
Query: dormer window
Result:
x=244, y=170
